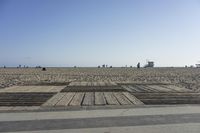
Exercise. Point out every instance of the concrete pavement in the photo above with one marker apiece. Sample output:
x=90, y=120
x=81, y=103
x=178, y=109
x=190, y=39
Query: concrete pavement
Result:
x=152, y=119
x=169, y=128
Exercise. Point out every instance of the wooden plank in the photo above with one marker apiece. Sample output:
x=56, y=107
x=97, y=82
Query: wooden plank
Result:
x=32, y=89
x=172, y=89
x=159, y=88
x=75, y=83
x=24, y=88
x=122, y=99
x=180, y=89
x=166, y=94
x=72, y=84
x=95, y=84
x=39, y=89
x=110, y=98
x=149, y=89
x=135, y=88
x=112, y=83
x=145, y=88
x=17, y=89
x=107, y=83
x=7, y=89
x=170, y=101
x=56, y=88
x=99, y=98
x=83, y=84
x=101, y=83
x=54, y=100
x=127, y=88
x=88, y=99
x=133, y=99
x=66, y=99
x=89, y=84
x=77, y=99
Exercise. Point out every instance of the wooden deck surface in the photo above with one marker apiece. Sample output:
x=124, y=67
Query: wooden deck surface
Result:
x=97, y=94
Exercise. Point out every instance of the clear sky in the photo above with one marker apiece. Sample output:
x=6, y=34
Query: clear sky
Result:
x=96, y=32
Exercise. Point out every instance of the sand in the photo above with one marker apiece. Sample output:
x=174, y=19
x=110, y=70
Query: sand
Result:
x=184, y=77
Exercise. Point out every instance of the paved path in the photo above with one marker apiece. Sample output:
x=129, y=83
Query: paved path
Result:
x=151, y=120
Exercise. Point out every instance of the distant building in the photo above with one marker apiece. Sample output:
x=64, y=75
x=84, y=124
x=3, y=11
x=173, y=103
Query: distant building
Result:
x=198, y=65
x=149, y=64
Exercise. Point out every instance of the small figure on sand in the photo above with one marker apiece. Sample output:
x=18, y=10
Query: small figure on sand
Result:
x=138, y=65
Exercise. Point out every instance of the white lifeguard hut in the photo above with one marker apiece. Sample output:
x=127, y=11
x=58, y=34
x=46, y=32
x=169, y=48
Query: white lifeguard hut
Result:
x=149, y=64
x=198, y=65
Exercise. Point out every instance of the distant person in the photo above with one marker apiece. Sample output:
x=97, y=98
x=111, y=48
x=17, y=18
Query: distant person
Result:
x=4, y=66
x=44, y=69
x=138, y=65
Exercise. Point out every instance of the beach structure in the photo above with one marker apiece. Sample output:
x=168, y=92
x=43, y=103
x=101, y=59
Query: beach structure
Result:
x=198, y=65
x=149, y=64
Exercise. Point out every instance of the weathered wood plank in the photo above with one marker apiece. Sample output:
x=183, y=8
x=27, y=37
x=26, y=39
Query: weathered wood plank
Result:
x=127, y=88
x=112, y=83
x=179, y=89
x=83, y=84
x=99, y=98
x=107, y=83
x=32, y=89
x=135, y=88
x=57, y=88
x=122, y=99
x=166, y=94
x=72, y=84
x=110, y=98
x=149, y=89
x=89, y=84
x=159, y=88
x=133, y=99
x=101, y=83
x=7, y=89
x=172, y=89
x=170, y=101
x=95, y=83
x=75, y=83
x=54, y=100
x=39, y=89
x=66, y=99
x=88, y=99
x=16, y=89
x=77, y=99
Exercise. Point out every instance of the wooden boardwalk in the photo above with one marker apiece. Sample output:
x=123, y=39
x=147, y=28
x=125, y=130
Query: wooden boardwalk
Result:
x=40, y=89
x=97, y=94
x=108, y=83
x=92, y=99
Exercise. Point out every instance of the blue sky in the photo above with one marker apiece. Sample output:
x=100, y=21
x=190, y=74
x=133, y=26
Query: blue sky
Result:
x=96, y=32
